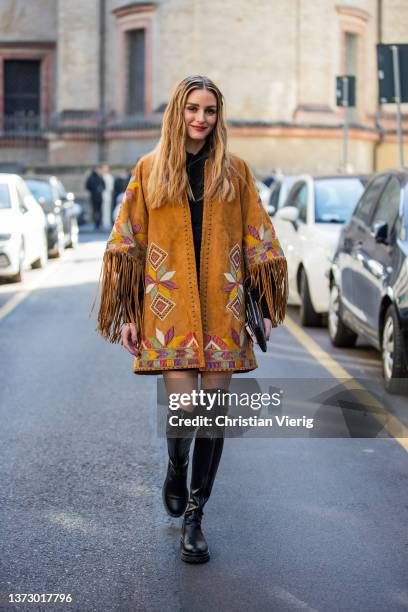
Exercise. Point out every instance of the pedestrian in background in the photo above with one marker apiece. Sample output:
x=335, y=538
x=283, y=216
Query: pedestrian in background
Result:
x=119, y=186
x=107, y=197
x=191, y=228
x=95, y=185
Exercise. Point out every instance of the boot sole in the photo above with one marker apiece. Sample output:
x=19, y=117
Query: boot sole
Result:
x=193, y=558
x=174, y=515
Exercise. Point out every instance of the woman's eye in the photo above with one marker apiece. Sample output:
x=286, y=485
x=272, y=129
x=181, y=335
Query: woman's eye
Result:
x=192, y=109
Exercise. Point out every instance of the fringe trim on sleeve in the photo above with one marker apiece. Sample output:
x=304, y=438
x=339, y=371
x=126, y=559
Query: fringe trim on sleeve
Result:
x=121, y=275
x=271, y=280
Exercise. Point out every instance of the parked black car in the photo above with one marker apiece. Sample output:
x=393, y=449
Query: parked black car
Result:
x=369, y=276
x=60, y=209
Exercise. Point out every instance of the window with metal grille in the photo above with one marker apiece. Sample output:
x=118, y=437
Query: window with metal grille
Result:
x=21, y=94
x=135, y=103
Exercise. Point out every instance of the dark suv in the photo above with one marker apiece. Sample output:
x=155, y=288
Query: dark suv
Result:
x=60, y=209
x=369, y=276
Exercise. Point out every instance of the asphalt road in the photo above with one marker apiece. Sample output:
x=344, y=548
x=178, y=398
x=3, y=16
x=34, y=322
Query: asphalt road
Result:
x=311, y=524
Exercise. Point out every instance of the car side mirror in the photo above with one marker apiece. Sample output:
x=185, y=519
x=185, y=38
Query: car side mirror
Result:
x=288, y=213
x=381, y=232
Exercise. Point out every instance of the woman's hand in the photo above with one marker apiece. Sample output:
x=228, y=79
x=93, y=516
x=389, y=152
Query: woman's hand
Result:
x=129, y=339
x=268, y=328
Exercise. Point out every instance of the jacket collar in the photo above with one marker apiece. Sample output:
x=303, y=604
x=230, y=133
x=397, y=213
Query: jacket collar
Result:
x=202, y=153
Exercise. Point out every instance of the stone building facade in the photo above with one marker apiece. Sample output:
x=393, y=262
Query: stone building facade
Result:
x=98, y=74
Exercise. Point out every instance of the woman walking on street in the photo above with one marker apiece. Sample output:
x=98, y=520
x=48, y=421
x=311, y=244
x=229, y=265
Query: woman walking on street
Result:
x=190, y=231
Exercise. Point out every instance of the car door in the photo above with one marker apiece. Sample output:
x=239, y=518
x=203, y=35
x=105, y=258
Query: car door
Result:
x=28, y=224
x=33, y=220
x=375, y=259
x=274, y=198
x=64, y=203
x=290, y=234
x=357, y=242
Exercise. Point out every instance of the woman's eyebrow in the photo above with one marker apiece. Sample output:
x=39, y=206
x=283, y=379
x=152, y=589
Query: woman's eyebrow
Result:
x=195, y=104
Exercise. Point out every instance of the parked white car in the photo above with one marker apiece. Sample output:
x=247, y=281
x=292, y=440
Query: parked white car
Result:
x=279, y=192
x=308, y=226
x=23, y=237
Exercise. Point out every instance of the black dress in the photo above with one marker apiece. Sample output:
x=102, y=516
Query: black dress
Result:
x=195, y=171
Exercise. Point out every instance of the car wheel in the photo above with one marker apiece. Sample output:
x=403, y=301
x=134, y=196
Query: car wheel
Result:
x=18, y=277
x=60, y=246
x=340, y=334
x=42, y=260
x=392, y=349
x=308, y=316
x=73, y=241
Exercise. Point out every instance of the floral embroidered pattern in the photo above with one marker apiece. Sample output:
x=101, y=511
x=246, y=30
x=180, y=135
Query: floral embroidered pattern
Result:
x=261, y=244
x=167, y=350
x=225, y=353
x=235, y=283
x=125, y=235
x=220, y=344
x=160, y=280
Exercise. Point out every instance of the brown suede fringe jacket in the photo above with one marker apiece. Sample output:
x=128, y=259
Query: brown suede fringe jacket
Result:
x=150, y=255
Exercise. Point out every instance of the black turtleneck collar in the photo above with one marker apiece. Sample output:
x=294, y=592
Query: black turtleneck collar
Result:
x=203, y=152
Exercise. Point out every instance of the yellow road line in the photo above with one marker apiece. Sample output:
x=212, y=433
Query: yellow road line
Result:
x=391, y=423
x=23, y=294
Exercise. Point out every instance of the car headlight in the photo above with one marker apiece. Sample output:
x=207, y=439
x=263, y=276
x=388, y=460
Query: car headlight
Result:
x=51, y=219
x=4, y=237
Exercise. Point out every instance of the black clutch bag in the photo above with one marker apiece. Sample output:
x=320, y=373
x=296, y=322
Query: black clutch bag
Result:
x=254, y=319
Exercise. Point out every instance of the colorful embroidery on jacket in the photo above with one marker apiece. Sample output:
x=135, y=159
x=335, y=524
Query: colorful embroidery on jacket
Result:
x=235, y=284
x=167, y=350
x=158, y=282
x=228, y=352
x=149, y=279
x=261, y=244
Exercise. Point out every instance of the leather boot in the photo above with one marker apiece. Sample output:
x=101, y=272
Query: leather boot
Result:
x=179, y=439
x=208, y=447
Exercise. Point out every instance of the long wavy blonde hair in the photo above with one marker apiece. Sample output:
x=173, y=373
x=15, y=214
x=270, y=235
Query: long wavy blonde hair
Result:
x=168, y=180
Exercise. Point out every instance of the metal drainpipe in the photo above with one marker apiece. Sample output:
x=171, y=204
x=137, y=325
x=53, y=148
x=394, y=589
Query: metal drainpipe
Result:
x=102, y=67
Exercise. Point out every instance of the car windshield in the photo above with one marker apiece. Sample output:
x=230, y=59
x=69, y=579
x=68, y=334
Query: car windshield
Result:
x=40, y=189
x=285, y=188
x=4, y=196
x=335, y=199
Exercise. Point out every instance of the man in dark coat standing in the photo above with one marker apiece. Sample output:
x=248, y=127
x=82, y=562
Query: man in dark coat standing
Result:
x=95, y=185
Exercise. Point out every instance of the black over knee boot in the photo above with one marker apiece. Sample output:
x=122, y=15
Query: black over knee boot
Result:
x=208, y=447
x=179, y=439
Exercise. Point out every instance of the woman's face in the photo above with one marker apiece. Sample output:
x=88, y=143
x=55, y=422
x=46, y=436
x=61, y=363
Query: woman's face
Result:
x=200, y=113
